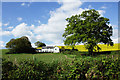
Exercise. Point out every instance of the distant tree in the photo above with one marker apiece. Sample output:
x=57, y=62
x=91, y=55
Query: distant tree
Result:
x=89, y=28
x=39, y=44
x=20, y=45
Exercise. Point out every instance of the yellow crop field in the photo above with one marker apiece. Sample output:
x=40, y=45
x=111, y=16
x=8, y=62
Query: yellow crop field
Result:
x=102, y=46
x=39, y=48
x=82, y=47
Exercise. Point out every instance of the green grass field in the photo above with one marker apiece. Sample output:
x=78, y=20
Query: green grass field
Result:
x=45, y=57
x=50, y=57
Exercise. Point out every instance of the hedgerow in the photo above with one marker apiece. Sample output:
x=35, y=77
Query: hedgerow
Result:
x=104, y=68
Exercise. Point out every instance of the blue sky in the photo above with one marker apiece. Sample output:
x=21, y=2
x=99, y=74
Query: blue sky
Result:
x=45, y=21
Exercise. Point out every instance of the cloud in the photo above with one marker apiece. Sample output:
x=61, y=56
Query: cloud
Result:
x=115, y=34
x=0, y=24
x=24, y=30
x=101, y=12
x=89, y=7
x=33, y=45
x=21, y=29
x=67, y=6
x=6, y=24
x=19, y=19
x=27, y=4
x=1, y=44
x=103, y=7
x=11, y=27
x=39, y=21
x=23, y=4
x=5, y=33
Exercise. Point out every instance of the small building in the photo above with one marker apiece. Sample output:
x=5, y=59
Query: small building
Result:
x=49, y=49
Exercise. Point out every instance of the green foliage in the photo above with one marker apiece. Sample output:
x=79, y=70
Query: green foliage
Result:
x=90, y=69
x=89, y=28
x=20, y=45
x=27, y=70
x=107, y=69
x=39, y=44
x=102, y=67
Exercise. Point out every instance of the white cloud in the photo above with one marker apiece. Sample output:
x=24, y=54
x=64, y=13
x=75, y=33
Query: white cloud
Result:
x=32, y=27
x=39, y=21
x=5, y=33
x=0, y=24
x=103, y=7
x=101, y=12
x=23, y=30
x=19, y=19
x=115, y=33
x=33, y=45
x=23, y=4
x=6, y=24
x=67, y=6
x=1, y=44
x=11, y=27
x=89, y=7
x=26, y=4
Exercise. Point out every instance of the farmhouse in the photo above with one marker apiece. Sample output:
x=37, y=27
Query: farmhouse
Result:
x=51, y=49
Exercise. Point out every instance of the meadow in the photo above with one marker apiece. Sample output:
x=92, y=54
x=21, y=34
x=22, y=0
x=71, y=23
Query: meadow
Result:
x=51, y=57
x=45, y=57
x=68, y=64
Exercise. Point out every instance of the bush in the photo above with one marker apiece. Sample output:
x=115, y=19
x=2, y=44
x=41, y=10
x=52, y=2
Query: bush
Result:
x=27, y=70
x=105, y=68
x=90, y=69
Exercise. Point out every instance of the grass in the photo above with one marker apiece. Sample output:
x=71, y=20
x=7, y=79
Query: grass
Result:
x=45, y=57
x=50, y=57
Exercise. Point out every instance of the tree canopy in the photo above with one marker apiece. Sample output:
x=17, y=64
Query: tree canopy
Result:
x=39, y=44
x=19, y=45
x=89, y=28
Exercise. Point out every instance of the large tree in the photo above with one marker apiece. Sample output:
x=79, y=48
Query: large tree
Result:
x=20, y=45
x=39, y=44
x=89, y=28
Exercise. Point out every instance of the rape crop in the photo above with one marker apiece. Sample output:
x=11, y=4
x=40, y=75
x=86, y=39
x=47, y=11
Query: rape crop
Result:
x=103, y=47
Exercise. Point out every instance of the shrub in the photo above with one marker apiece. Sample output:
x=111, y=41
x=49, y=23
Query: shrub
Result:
x=27, y=70
x=89, y=68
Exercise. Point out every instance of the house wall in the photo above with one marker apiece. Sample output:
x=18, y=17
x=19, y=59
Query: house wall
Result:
x=47, y=50
x=54, y=50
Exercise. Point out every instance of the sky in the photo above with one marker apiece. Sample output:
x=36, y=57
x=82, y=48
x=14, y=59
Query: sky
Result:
x=45, y=21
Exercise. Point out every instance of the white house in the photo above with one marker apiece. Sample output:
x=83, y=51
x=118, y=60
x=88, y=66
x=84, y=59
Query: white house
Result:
x=49, y=49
